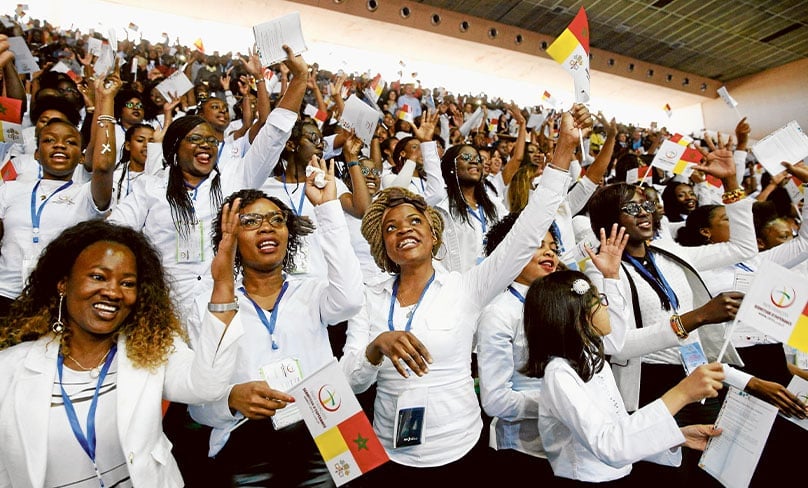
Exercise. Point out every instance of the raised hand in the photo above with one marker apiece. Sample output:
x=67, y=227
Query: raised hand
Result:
x=427, y=128
x=779, y=396
x=296, y=64
x=318, y=196
x=610, y=254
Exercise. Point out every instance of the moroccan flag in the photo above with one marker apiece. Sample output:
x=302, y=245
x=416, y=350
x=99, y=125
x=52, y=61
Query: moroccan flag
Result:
x=11, y=110
x=335, y=419
x=571, y=50
x=318, y=115
x=667, y=109
x=8, y=172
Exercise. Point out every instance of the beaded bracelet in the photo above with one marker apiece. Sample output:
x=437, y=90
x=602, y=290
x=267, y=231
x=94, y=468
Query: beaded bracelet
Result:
x=678, y=327
x=733, y=196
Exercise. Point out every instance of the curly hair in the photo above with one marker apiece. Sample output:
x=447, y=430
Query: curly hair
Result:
x=248, y=197
x=182, y=208
x=151, y=327
x=558, y=323
x=124, y=96
x=372, y=223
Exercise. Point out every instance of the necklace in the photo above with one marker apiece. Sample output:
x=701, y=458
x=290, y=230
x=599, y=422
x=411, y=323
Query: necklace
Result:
x=95, y=371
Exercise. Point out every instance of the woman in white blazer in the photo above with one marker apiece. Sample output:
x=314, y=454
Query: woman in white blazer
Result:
x=89, y=352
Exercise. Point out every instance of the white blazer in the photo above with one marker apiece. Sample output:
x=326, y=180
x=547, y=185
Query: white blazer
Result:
x=27, y=374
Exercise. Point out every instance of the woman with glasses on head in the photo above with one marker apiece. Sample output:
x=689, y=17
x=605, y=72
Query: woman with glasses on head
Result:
x=672, y=312
x=176, y=208
x=414, y=336
x=285, y=321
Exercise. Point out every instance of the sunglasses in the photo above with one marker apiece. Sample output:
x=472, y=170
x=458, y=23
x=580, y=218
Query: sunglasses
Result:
x=468, y=158
x=398, y=198
x=634, y=209
x=371, y=171
x=250, y=221
x=133, y=105
x=196, y=140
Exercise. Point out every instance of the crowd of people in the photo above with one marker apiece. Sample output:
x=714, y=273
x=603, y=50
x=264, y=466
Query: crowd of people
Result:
x=506, y=271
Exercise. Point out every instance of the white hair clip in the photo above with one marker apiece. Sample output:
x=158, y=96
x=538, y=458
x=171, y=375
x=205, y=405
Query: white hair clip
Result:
x=580, y=286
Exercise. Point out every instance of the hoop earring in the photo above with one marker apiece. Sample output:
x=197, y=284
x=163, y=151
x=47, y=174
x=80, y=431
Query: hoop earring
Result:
x=58, y=327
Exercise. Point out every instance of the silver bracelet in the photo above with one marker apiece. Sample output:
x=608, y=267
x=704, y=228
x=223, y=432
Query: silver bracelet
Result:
x=223, y=307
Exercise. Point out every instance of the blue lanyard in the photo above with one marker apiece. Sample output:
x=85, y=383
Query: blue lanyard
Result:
x=36, y=213
x=479, y=215
x=87, y=443
x=516, y=294
x=195, y=188
x=666, y=288
x=744, y=267
x=416, y=186
x=219, y=155
x=417, y=304
x=556, y=233
x=273, y=315
x=299, y=209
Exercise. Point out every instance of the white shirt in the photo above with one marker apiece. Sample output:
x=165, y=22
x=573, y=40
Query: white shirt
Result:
x=507, y=394
x=66, y=208
x=445, y=323
x=589, y=436
x=304, y=312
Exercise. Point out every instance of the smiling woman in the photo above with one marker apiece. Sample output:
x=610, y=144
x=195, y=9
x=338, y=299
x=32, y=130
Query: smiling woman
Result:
x=94, y=336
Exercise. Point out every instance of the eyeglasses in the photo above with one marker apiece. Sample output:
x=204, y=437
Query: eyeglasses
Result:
x=133, y=105
x=634, y=209
x=371, y=171
x=197, y=140
x=603, y=299
x=468, y=158
x=314, y=138
x=250, y=221
x=397, y=197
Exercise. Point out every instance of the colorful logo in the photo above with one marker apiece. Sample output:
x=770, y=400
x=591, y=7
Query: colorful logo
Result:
x=342, y=468
x=783, y=296
x=576, y=62
x=329, y=398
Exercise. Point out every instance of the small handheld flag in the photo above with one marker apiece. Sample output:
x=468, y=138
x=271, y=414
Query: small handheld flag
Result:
x=571, y=50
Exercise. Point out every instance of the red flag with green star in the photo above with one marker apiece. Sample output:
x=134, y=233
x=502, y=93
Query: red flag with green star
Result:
x=11, y=110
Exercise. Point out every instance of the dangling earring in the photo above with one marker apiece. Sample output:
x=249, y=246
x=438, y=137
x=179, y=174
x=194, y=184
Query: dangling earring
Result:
x=58, y=327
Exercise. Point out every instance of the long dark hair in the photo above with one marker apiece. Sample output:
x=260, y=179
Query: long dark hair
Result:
x=690, y=235
x=182, y=207
x=457, y=203
x=126, y=156
x=248, y=196
x=558, y=323
x=673, y=209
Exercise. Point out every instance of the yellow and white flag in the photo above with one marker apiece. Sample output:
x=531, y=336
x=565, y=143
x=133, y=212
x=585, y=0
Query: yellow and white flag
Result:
x=571, y=50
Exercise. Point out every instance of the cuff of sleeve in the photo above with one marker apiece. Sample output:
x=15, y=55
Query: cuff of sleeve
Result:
x=329, y=215
x=555, y=180
x=282, y=118
x=614, y=288
x=588, y=184
x=735, y=377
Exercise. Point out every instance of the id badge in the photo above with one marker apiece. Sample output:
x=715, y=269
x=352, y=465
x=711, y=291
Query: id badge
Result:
x=408, y=428
x=282, y=375
x=692, y=356
x=190, y=248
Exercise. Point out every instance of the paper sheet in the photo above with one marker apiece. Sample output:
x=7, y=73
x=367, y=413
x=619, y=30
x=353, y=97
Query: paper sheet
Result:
x=360, y=117
x=732, y=457
x=175, y=85
x=23, y=59
x=789, y=143
x=271, y=36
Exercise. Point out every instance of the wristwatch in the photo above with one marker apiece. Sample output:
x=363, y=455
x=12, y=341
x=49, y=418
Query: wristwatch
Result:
x=223, y=307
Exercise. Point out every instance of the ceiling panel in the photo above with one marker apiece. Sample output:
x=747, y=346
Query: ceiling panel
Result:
x=713, y=38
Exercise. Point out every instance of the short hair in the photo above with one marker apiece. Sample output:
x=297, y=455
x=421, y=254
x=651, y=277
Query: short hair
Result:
x=249, y=196
x=57, y=121
x=59, y=104
x=558, y=323
x=152, y=325
x=372, y=223
x=689, y=235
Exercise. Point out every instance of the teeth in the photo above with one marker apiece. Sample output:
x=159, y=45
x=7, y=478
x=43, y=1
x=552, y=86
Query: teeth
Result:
x=105, y=308
x=267, y=244
x=406, y=243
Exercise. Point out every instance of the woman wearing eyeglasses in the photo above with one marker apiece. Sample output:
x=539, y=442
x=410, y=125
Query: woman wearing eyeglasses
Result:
x=305, y=144
x=285, y=320
x=672, y=312
x=175, y=209
x=128, y=112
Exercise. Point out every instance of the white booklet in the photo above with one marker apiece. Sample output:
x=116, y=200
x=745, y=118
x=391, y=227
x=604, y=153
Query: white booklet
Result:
x=732, y=457
x=271, y=36
x=788, y=143
x=176, y=85
x=282, y=376
x=799, y=387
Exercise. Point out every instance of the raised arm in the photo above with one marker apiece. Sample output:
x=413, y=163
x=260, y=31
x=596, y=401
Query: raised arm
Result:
x=356, y=202
x=515, y=160
x=103, y=150
x=262, y=105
